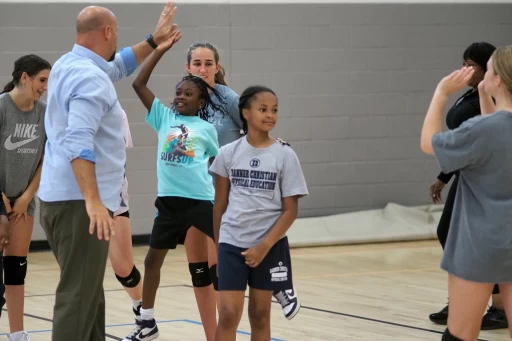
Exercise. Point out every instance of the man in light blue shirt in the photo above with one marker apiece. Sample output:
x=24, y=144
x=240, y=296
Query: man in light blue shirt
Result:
x=83, y=166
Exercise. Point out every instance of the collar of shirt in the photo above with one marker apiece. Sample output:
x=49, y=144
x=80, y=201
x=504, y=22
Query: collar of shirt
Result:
x=86, y=53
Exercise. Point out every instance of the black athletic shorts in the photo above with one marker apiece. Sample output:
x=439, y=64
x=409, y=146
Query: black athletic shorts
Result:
x=175, y=215
x=124, y=214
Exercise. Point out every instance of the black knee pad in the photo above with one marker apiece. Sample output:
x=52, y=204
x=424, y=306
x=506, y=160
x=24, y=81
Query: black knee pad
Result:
x=496, y=289
x=200, y=274
x=15, y=270
x=132, y=280
x=447, y=336
x=213, y=276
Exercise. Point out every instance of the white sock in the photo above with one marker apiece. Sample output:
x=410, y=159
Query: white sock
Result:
x=16, y=336
x=147, y=314
x=136, y=303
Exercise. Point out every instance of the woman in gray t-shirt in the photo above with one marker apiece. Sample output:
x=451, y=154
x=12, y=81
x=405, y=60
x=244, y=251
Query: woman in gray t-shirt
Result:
x=478, y=251
x=22, y=139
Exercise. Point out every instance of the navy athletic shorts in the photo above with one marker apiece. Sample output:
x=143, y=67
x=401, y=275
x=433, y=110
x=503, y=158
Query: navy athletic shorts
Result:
x=274, y=273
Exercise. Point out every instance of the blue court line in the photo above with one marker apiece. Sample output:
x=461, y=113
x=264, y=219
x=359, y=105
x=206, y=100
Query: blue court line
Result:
x=131, y=324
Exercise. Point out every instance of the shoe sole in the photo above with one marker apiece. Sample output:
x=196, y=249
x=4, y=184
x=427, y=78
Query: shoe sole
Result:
x=295, y=312
x=503, y=326
x=153, y=337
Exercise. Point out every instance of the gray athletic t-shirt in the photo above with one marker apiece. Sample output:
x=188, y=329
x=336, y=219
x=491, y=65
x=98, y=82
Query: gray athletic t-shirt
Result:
x=228, y=123
x=479, y=244
x=22, y=139
x=260, y=178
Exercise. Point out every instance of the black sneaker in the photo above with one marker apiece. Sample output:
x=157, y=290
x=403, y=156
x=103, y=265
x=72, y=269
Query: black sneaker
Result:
x=145, y=330
x=440, y=317
x=494, y=319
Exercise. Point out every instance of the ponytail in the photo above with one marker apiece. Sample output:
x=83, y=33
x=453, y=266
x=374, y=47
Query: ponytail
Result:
x=245, y=129
x=219, y=76
x=8, y=87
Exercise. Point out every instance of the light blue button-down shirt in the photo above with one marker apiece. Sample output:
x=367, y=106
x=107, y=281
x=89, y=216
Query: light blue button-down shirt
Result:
x=84, y=120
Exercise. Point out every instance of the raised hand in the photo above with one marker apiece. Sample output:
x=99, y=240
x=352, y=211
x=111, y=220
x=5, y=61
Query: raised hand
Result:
x=164, y=28
x=481, y=86
x=487, y=104
x=167, y=44
x=455, y=81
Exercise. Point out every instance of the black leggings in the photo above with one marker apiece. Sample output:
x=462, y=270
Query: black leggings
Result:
x=446, y=216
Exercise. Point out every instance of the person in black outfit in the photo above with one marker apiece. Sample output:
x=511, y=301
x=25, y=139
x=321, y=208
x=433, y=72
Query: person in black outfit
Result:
x=467, y=106
x=5, y=233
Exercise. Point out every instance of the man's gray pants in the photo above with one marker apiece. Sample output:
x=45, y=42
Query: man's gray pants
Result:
x=79, y=311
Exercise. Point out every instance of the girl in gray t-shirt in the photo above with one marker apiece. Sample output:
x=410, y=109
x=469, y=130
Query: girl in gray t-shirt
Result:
x=478, y=251
x=203, y=60
x=22, y=140
x=258, y=183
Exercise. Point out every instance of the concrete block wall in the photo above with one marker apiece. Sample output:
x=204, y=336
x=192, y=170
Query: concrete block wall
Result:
x=354, y=82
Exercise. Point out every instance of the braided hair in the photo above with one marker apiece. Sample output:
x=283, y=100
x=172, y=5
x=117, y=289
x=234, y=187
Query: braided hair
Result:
x=246, y=99
x=203, y=87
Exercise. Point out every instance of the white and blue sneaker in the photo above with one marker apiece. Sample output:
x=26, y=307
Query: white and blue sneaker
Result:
x=145, y=330
x=289, y=301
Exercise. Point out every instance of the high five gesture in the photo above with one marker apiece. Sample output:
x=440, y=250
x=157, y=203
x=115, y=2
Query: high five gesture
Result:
x=165, y=28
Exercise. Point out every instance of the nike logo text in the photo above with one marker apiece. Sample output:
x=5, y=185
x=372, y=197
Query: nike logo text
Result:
x=24, y=131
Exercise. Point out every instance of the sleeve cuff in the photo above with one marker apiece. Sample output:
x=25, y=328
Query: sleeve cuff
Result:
x=299, y=193
x=444, y=177
x=438, y=152
x=129, y=59
x=88, y=155
x=214, y=152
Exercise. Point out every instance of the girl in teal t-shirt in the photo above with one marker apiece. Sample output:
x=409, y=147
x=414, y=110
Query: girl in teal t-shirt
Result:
x=187, y=142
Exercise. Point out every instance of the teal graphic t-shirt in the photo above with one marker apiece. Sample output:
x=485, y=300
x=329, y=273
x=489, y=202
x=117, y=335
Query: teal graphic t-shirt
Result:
x=185, y=144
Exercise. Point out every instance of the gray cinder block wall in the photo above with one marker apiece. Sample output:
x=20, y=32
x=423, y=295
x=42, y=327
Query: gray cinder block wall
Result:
x=354, y=82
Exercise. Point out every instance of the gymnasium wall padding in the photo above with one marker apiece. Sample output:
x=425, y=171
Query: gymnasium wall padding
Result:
x=393, y=223
x=354, y=81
